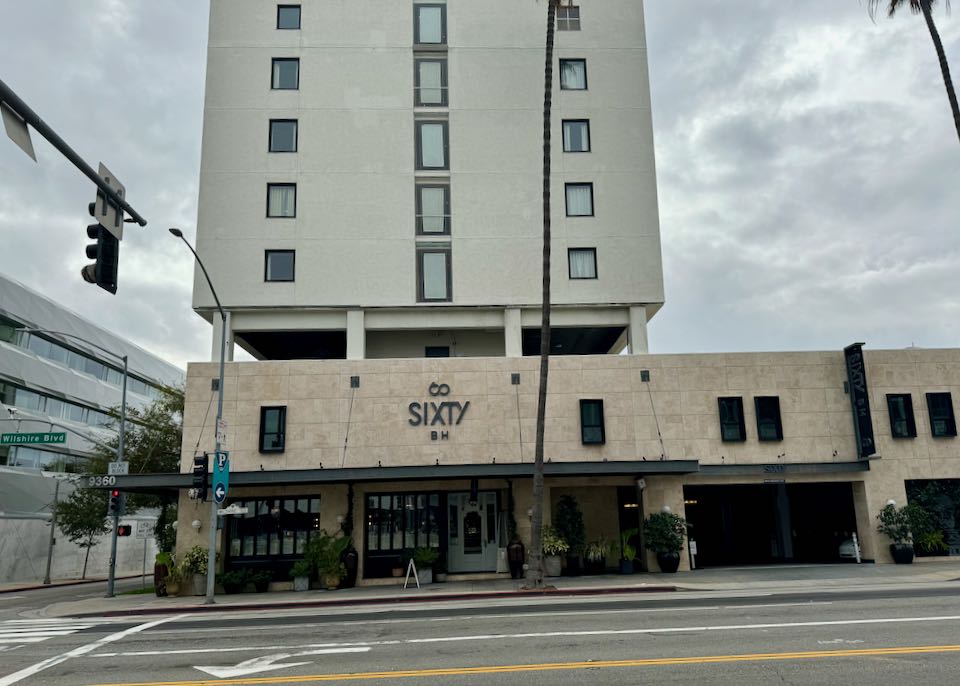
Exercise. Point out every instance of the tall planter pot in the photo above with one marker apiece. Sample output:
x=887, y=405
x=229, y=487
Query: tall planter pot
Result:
x=350, y=560
x=668, y=562
x=626, y=566
x=160, y=573
x=551, y=565
x=902, y=553
x=516, y=554
x=198, y=584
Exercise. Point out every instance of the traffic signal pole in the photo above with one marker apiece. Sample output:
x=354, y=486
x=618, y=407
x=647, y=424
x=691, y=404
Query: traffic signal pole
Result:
x=12, y=101
x=116, y=515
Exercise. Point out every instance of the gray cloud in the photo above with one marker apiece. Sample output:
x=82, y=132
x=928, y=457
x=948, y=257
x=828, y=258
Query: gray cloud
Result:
x=806, y=158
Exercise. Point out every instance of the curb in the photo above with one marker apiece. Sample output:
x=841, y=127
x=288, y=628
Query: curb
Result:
x=388, y=600
x=66, y=584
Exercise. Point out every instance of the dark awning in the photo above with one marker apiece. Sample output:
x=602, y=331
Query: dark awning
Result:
x=633, y=468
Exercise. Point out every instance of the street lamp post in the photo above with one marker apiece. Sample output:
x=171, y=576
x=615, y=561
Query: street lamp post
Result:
x=111, y=572
x=212, y=541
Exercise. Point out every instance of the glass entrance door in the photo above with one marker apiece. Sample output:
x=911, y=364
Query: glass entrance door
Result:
x=473, y=533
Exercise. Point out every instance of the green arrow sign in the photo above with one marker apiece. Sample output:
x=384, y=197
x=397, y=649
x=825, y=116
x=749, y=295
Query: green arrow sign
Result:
x=28, y=439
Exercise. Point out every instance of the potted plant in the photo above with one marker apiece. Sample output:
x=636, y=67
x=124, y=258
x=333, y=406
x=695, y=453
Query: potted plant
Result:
x=173, y=580
x=568, y=520
x=516, y=556
x=553, y=547
x=628, y=552
x=424, y=559
x=900, y=525
x=596, y=554
x=300, y=573
x=261, y=579
x=233, y=581
x=193, y=569
x=162, y=565
x=325, y=552
x=663, y=533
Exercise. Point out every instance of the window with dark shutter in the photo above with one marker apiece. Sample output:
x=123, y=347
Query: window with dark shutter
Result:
x=942, y=421
x=732, y=427
x=900, y=408
x=591, y=422
x=769, y=427
x=273, y=429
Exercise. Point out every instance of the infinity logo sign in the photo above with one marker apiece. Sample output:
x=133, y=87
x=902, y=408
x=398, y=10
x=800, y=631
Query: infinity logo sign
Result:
x=439, y=389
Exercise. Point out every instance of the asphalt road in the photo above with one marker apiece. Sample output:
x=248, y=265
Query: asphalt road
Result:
x=884, y=636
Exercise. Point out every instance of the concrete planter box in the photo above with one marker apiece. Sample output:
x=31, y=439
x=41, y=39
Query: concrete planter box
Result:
x=551, y=565
x=301, y=583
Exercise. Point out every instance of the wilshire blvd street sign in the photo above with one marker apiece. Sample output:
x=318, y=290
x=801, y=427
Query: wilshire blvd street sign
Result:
x=27, y=439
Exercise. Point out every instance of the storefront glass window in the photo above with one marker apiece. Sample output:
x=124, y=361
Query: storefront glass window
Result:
x=273, y=527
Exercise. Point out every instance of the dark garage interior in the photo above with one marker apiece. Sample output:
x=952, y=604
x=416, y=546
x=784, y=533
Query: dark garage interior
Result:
x=771, y=523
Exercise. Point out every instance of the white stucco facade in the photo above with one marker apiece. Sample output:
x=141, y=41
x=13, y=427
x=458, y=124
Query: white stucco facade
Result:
x=355, y=169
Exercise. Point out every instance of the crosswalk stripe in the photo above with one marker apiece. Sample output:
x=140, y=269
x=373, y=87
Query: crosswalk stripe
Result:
x=37, y=630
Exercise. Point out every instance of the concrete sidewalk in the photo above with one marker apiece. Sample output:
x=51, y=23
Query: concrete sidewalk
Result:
x=740, y=580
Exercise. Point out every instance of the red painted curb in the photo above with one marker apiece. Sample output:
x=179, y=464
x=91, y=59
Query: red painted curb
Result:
x=395, y=600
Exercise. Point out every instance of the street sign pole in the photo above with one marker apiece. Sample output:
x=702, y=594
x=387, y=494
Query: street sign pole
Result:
x=111, y=575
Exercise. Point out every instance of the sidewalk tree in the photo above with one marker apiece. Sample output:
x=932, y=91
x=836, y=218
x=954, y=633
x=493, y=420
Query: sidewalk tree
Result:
x=535, y=567
x=925, y=7
x=151, y=446
x=82, y=518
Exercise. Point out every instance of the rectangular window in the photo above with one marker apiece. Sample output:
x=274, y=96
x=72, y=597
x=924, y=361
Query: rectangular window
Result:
x=278, y=265
x=430, y=82
x=283, y=135
x=576, y=135
x=568, y=18
x=942, y=421
x=900, y=408
x=429, y=24
x=769, y=427
x=286, y=74
x=591, y=422
x=433, y=209
x=288, y=17
x=282, y=200
x=579, y=199
x=732, y=427
x=583, y=263
x=433, y=278
x=273, y=429
x=573, y=75
x=432, y=152
x=437, y=351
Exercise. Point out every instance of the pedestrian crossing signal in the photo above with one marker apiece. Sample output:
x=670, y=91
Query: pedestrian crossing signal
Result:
x=124, y=530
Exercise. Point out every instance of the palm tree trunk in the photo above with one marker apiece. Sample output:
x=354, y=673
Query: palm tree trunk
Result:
x=944, y=67
x=535, y=567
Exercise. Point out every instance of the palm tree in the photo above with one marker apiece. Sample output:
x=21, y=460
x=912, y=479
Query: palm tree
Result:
x=926, y=7
x=534, y=569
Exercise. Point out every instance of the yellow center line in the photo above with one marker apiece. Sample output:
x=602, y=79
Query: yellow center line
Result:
x=555, y=666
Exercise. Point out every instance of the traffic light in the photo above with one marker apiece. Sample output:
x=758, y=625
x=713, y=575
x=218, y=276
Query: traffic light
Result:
x=105, y=252
x=124, y=530
x=200, y=466
x=115, y=504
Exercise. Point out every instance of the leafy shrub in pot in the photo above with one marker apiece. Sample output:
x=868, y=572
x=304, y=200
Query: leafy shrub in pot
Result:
x=663, y=533
x=553, y=547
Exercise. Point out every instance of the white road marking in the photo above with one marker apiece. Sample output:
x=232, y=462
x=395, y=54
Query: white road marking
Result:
x=269, y=662
x=536, y=634
x=11, y=597
x=36, y=630
x=458, y=618
x=11, y=679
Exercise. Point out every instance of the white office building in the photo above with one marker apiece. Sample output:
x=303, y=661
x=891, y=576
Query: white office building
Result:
x=54, y=381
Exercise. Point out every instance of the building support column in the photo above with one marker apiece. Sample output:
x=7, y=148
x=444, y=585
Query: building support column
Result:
x=784, y=523
x=867, y=503
x=356, y=335
x=660, y=492
x=215, y=340
x=638, y=330
x=512, y=332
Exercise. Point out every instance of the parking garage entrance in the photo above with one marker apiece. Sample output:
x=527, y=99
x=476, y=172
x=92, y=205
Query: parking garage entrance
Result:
x=769, y=523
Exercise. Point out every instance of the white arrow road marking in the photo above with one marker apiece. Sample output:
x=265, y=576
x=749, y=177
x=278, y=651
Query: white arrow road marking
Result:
x=269, y=662
x=11, y=679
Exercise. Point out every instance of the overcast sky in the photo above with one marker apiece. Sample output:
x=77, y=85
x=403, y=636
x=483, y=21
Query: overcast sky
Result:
x=808, y=168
